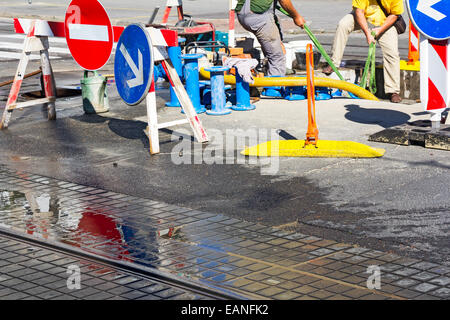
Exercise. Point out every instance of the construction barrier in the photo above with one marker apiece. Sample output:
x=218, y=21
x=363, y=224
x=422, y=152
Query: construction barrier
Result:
x=33, y=43
x=435, y=76
x=414, y=44
x=150, y=45
x=413, y=63
x=52, y=28
x=169, y=5
x=231, y=25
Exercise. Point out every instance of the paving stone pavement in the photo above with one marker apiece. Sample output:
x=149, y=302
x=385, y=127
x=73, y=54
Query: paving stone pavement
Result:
x=30, y=272
x=251, y=259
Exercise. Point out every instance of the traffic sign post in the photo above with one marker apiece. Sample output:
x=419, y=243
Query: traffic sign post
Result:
x=89, y=33
x=432, y=19
x=137, y=50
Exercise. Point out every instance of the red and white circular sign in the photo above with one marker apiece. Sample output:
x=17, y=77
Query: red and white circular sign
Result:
x=89, y=33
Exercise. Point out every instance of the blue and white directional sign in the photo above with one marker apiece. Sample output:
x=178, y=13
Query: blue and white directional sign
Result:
x=431, y=17
x=133, y=64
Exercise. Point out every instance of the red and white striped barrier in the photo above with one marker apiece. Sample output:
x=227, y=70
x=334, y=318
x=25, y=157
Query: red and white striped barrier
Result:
x=231, y=26
x=414, y=44
x=33, y=43
x=52, y=28
x=435, y=76
x=169, y=5
x=57, y=29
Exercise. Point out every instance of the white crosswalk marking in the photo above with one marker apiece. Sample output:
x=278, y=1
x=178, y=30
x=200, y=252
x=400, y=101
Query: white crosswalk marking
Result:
x=11, y=46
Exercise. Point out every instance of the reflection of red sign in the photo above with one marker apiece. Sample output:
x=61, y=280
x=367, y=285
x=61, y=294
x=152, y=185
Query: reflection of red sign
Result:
x=89, y=33
x=105, y=230
x=100, y=226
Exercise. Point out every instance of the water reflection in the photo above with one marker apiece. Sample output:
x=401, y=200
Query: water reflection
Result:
x=108, y=232
x=91, y=229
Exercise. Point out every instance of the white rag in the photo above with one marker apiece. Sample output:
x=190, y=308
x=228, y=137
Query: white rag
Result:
x=243, y=66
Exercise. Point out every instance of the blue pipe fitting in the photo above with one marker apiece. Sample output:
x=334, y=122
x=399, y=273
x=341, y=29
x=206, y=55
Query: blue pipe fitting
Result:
x=296, y=93
x=218, y=97
x=191, y=74
x=323, y=93
x=273, y=92
x=242, y=95
x=159, y=73
x=175, y=57
x=205, y=93
x=337, y=94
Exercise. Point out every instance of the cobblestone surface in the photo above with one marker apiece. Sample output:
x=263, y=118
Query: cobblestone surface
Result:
x=43, y=274
x=259, y=261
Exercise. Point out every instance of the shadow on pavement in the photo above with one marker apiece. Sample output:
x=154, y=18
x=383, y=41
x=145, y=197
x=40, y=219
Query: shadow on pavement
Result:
x=383, y=117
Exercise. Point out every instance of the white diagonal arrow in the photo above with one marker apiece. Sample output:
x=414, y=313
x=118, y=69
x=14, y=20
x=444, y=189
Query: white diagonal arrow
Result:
x=138, y=73
x=425, y=6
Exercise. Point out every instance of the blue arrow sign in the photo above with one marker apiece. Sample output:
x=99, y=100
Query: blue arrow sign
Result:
x=133, y=64
x=431, y=17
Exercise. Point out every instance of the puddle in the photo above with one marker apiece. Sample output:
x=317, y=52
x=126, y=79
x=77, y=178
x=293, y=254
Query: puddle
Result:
x=93, y=230
x=143, y=239
x=60, y=93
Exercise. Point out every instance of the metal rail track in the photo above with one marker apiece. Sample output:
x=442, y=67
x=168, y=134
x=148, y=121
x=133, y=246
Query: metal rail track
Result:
x=211, y=292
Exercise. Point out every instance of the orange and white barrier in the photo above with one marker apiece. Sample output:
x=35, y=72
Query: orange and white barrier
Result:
x=413, y=62
x=169, y=5
x=414, y=44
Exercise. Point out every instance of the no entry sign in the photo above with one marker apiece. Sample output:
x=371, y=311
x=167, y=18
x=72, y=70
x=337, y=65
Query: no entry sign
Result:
x=89, y=33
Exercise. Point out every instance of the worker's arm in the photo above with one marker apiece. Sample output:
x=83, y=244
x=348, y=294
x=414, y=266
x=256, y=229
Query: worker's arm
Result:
x=289, y=7
x=361, y=20
x=390, y=20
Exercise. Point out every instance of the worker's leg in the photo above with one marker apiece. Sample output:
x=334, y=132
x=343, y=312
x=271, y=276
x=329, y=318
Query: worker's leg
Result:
x=270, y=40
x=264, y=27
x=391, y=60
x=346, y=26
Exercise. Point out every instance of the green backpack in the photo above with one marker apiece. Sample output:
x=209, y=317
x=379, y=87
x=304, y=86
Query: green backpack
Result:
x=257, y=6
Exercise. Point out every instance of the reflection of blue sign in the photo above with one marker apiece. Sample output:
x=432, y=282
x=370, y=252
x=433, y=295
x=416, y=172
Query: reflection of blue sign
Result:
x=133, y=65
x=431, y=17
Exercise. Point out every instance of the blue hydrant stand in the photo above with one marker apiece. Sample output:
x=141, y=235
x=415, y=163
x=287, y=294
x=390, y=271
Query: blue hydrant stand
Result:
x=242, y=95
x=175, y=57
x=218, y=97
x=192, y=77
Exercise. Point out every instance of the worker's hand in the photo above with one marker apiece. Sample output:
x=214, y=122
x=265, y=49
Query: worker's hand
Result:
x=370, y=39
x=299, y=21
x=377, y=32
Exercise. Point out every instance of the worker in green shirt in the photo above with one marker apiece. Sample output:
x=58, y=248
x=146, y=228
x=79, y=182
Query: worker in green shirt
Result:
x=258, y=17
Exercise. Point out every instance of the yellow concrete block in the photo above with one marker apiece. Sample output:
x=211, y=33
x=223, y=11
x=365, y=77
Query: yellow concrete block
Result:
x=323, y=149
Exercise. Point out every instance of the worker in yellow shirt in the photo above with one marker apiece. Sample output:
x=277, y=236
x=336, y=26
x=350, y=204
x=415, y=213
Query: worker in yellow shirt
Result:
x=367, y=12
